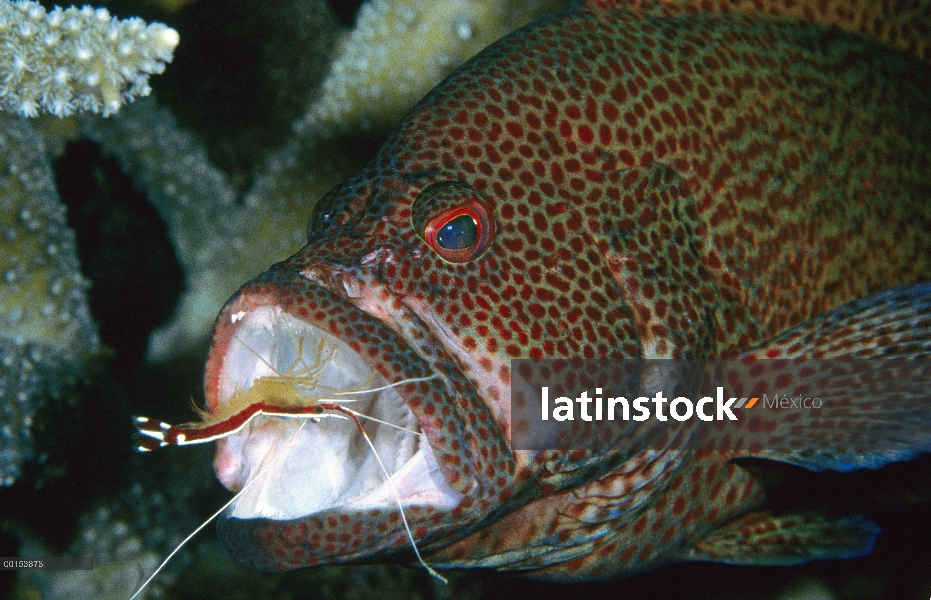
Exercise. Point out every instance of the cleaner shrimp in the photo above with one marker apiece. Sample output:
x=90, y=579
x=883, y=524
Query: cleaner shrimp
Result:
x=294, y=393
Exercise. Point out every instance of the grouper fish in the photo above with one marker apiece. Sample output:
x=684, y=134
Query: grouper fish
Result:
x=680, y=180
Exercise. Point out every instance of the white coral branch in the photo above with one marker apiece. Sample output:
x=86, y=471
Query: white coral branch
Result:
x=47, y=335
x=77, y=59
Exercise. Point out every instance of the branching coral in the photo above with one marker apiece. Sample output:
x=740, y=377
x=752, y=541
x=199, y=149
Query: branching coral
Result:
x=58, y=62
x=194, y=198
x=400, y=49
x=76, y=59
x=47, y=334
x=126, y=538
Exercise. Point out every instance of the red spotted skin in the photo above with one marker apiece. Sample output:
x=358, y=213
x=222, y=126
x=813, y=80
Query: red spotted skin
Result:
x=661, y=186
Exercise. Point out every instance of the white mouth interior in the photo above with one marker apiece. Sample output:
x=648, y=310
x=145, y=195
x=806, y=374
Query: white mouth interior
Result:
x=297, y=467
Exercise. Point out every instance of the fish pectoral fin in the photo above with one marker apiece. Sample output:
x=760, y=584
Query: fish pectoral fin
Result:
x=892, y=323
x=760, y=538
x=853, y=414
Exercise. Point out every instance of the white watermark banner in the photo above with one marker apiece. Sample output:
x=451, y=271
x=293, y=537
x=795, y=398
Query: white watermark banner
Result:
x=810, y=405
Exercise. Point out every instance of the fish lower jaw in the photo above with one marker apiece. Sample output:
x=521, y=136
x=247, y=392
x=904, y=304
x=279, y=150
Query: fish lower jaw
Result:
x=293, y=466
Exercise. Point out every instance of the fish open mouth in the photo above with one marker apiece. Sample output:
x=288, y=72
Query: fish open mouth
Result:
x=300, y=465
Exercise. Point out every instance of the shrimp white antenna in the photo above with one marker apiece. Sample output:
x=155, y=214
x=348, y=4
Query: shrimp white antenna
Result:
x=397, y=498
x=390, y=385
x=216, y=514
x=389, y=424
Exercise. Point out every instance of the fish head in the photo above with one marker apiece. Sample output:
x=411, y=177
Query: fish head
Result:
x=333, y=321
x=414, y=271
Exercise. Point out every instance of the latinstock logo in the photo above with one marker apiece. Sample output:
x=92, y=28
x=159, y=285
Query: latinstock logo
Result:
x=680, y=408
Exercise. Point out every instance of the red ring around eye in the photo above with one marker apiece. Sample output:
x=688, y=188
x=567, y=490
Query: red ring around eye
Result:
x=484, y=231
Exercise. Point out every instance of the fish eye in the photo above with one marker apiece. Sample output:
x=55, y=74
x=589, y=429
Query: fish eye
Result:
x=454, y=220
x=459, y=232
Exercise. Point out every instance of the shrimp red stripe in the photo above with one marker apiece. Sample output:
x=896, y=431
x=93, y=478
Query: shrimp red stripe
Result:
x=154, y=434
